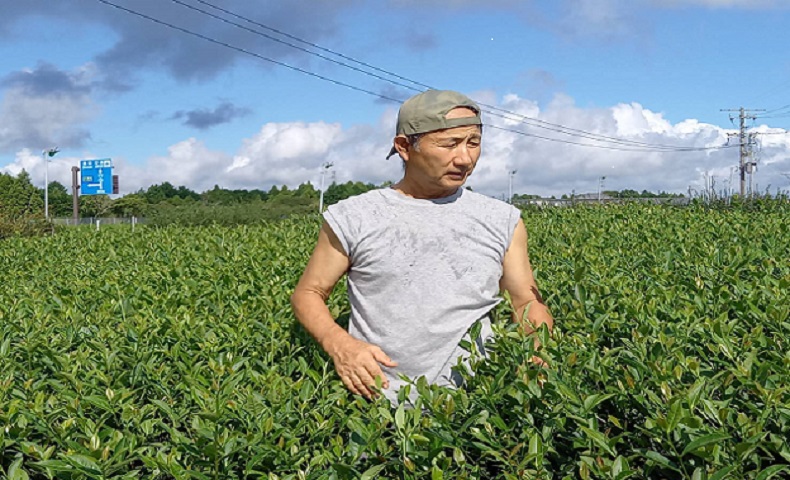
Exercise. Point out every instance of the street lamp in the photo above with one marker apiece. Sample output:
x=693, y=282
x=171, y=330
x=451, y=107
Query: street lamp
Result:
x=47, y=154
x=512, y=173
x=600, y=187
x=324, y=167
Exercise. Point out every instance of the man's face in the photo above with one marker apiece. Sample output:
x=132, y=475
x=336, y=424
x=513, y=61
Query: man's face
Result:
x=444, y=159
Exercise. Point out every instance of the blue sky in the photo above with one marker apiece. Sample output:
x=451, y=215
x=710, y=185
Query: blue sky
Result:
x=100, y=82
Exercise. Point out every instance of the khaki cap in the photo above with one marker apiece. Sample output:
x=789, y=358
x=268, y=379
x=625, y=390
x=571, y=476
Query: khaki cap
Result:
x=427, y=112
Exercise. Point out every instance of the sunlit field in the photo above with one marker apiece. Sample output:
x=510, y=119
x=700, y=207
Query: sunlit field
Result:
x=172, y=352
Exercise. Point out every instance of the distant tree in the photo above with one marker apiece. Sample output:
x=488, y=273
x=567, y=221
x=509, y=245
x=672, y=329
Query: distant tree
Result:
x=132, y=205
x=341, y=191
x=217, y=196
x=160, y=193
x=525, y=196
x=60, y=201
x=18, y=196
x=306, y=190
x=95, y=205
x=185, y=193
x=627, y=193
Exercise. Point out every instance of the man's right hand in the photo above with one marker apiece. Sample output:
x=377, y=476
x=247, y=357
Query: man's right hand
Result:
x=359, y=363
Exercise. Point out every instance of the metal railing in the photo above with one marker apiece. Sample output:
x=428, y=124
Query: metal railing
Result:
x=68, y=221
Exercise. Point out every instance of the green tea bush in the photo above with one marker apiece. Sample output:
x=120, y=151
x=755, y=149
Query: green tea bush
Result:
x=23, y=226
x=172, y=352
x=253, y=213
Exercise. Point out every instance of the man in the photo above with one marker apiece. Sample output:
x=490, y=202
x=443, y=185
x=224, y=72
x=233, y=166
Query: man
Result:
x=425, y=258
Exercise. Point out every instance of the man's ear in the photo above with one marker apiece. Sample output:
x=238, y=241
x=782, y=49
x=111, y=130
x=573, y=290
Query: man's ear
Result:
x=401, y=144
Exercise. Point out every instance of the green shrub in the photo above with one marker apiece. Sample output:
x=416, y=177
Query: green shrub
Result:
x=172, y=352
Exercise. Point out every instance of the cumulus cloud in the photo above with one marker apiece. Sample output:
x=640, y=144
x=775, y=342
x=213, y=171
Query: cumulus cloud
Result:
x=46, y=106
x=555, y=167
x=143, y=43
x=204, y=118
x=32, y=162
x=548, y=159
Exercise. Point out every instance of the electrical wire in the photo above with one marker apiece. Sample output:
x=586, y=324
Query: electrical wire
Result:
x=247, y=52
x=772, y=90
x=609, y=147
x=305, y=42
x=775, y=110
x=283, y=42
x=490, y=109
x=625, y=145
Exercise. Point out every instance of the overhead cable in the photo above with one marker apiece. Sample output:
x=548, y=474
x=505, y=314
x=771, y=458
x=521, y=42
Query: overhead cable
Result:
x=622, y=144
x=490, y=109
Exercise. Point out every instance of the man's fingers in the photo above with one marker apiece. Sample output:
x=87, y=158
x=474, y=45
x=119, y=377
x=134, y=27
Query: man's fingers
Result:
x=373, y=371
x=382, y=358
x=350, y=385
x=361, y=386
x=359, y=367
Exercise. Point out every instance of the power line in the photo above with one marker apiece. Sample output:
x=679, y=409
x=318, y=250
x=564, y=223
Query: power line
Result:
x=305, y=42
x=627, y=145
x=283, y=42
x=490, y=109
x=581, y=133
x=775, y=110
x=247, y=52
x=610, y=147
x=772, y=90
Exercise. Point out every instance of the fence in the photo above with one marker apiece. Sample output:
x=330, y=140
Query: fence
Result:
x=565, y=202
x=68, y=221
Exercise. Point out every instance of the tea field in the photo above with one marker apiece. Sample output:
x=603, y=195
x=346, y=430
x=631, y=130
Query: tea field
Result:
x=172, y=353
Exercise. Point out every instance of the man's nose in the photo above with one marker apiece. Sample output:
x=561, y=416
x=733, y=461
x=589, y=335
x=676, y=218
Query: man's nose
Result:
x=463, y=156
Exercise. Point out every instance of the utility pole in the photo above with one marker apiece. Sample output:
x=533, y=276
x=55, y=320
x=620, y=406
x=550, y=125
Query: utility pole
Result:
x=512, y=174
x=75, y=198
x=744, y=143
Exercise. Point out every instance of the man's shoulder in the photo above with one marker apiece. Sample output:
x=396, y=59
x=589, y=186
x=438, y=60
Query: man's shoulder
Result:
x=359, y=201
x=484, y=201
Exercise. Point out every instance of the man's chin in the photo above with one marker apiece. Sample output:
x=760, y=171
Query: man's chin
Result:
x=455, y=179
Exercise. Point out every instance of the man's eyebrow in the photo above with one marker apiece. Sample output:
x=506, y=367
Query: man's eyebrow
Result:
x=459, y=137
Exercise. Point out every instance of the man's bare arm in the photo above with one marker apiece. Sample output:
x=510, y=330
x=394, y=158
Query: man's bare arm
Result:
x=356, y=362
x=519, y=282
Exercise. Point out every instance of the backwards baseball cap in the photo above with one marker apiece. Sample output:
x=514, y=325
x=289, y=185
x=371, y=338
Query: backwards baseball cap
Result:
x=427, y=112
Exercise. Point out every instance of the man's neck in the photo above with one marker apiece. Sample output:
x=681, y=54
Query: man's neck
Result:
x=413, y=190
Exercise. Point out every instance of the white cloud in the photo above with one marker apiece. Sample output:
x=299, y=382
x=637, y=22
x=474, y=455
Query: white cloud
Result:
x=292, y=153
x=58, y=170
x=30, y=120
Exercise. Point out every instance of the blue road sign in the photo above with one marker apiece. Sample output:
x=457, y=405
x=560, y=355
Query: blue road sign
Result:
x=96, y=177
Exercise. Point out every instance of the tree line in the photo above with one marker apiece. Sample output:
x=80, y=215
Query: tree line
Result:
x=19, y=197
x=21, y=201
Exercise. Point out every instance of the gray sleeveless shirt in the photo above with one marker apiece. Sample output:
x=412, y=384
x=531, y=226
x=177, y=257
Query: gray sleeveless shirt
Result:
x=422, y=272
